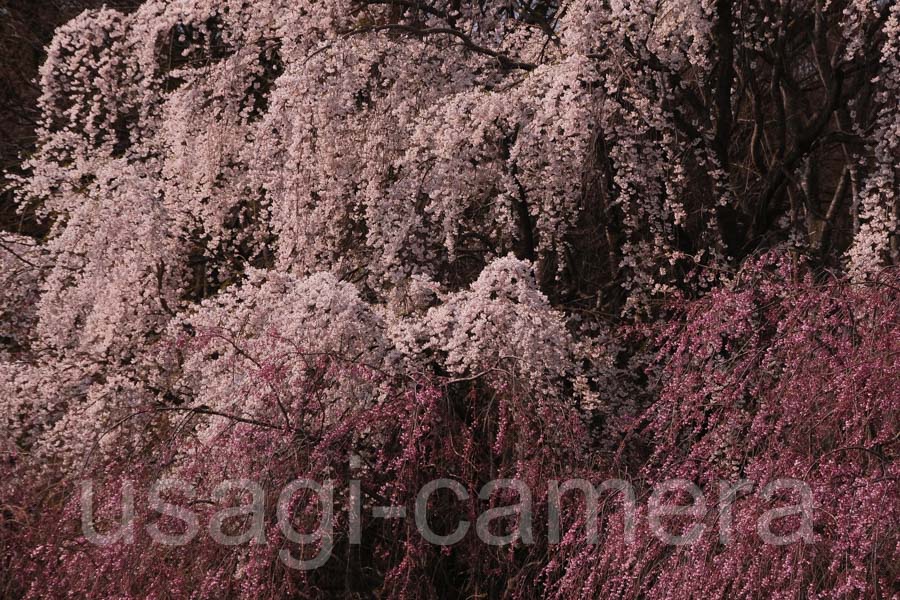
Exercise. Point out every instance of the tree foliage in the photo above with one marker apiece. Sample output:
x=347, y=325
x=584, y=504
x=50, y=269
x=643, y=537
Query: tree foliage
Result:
x=472, y=239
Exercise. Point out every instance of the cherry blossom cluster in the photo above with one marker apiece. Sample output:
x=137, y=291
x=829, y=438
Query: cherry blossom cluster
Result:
x=479, y=240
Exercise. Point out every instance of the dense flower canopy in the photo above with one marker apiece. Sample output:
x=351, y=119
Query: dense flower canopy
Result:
x=479, y=240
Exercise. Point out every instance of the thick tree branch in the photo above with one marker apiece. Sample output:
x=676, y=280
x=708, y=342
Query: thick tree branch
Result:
x=724, y=80
x=505, y=62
